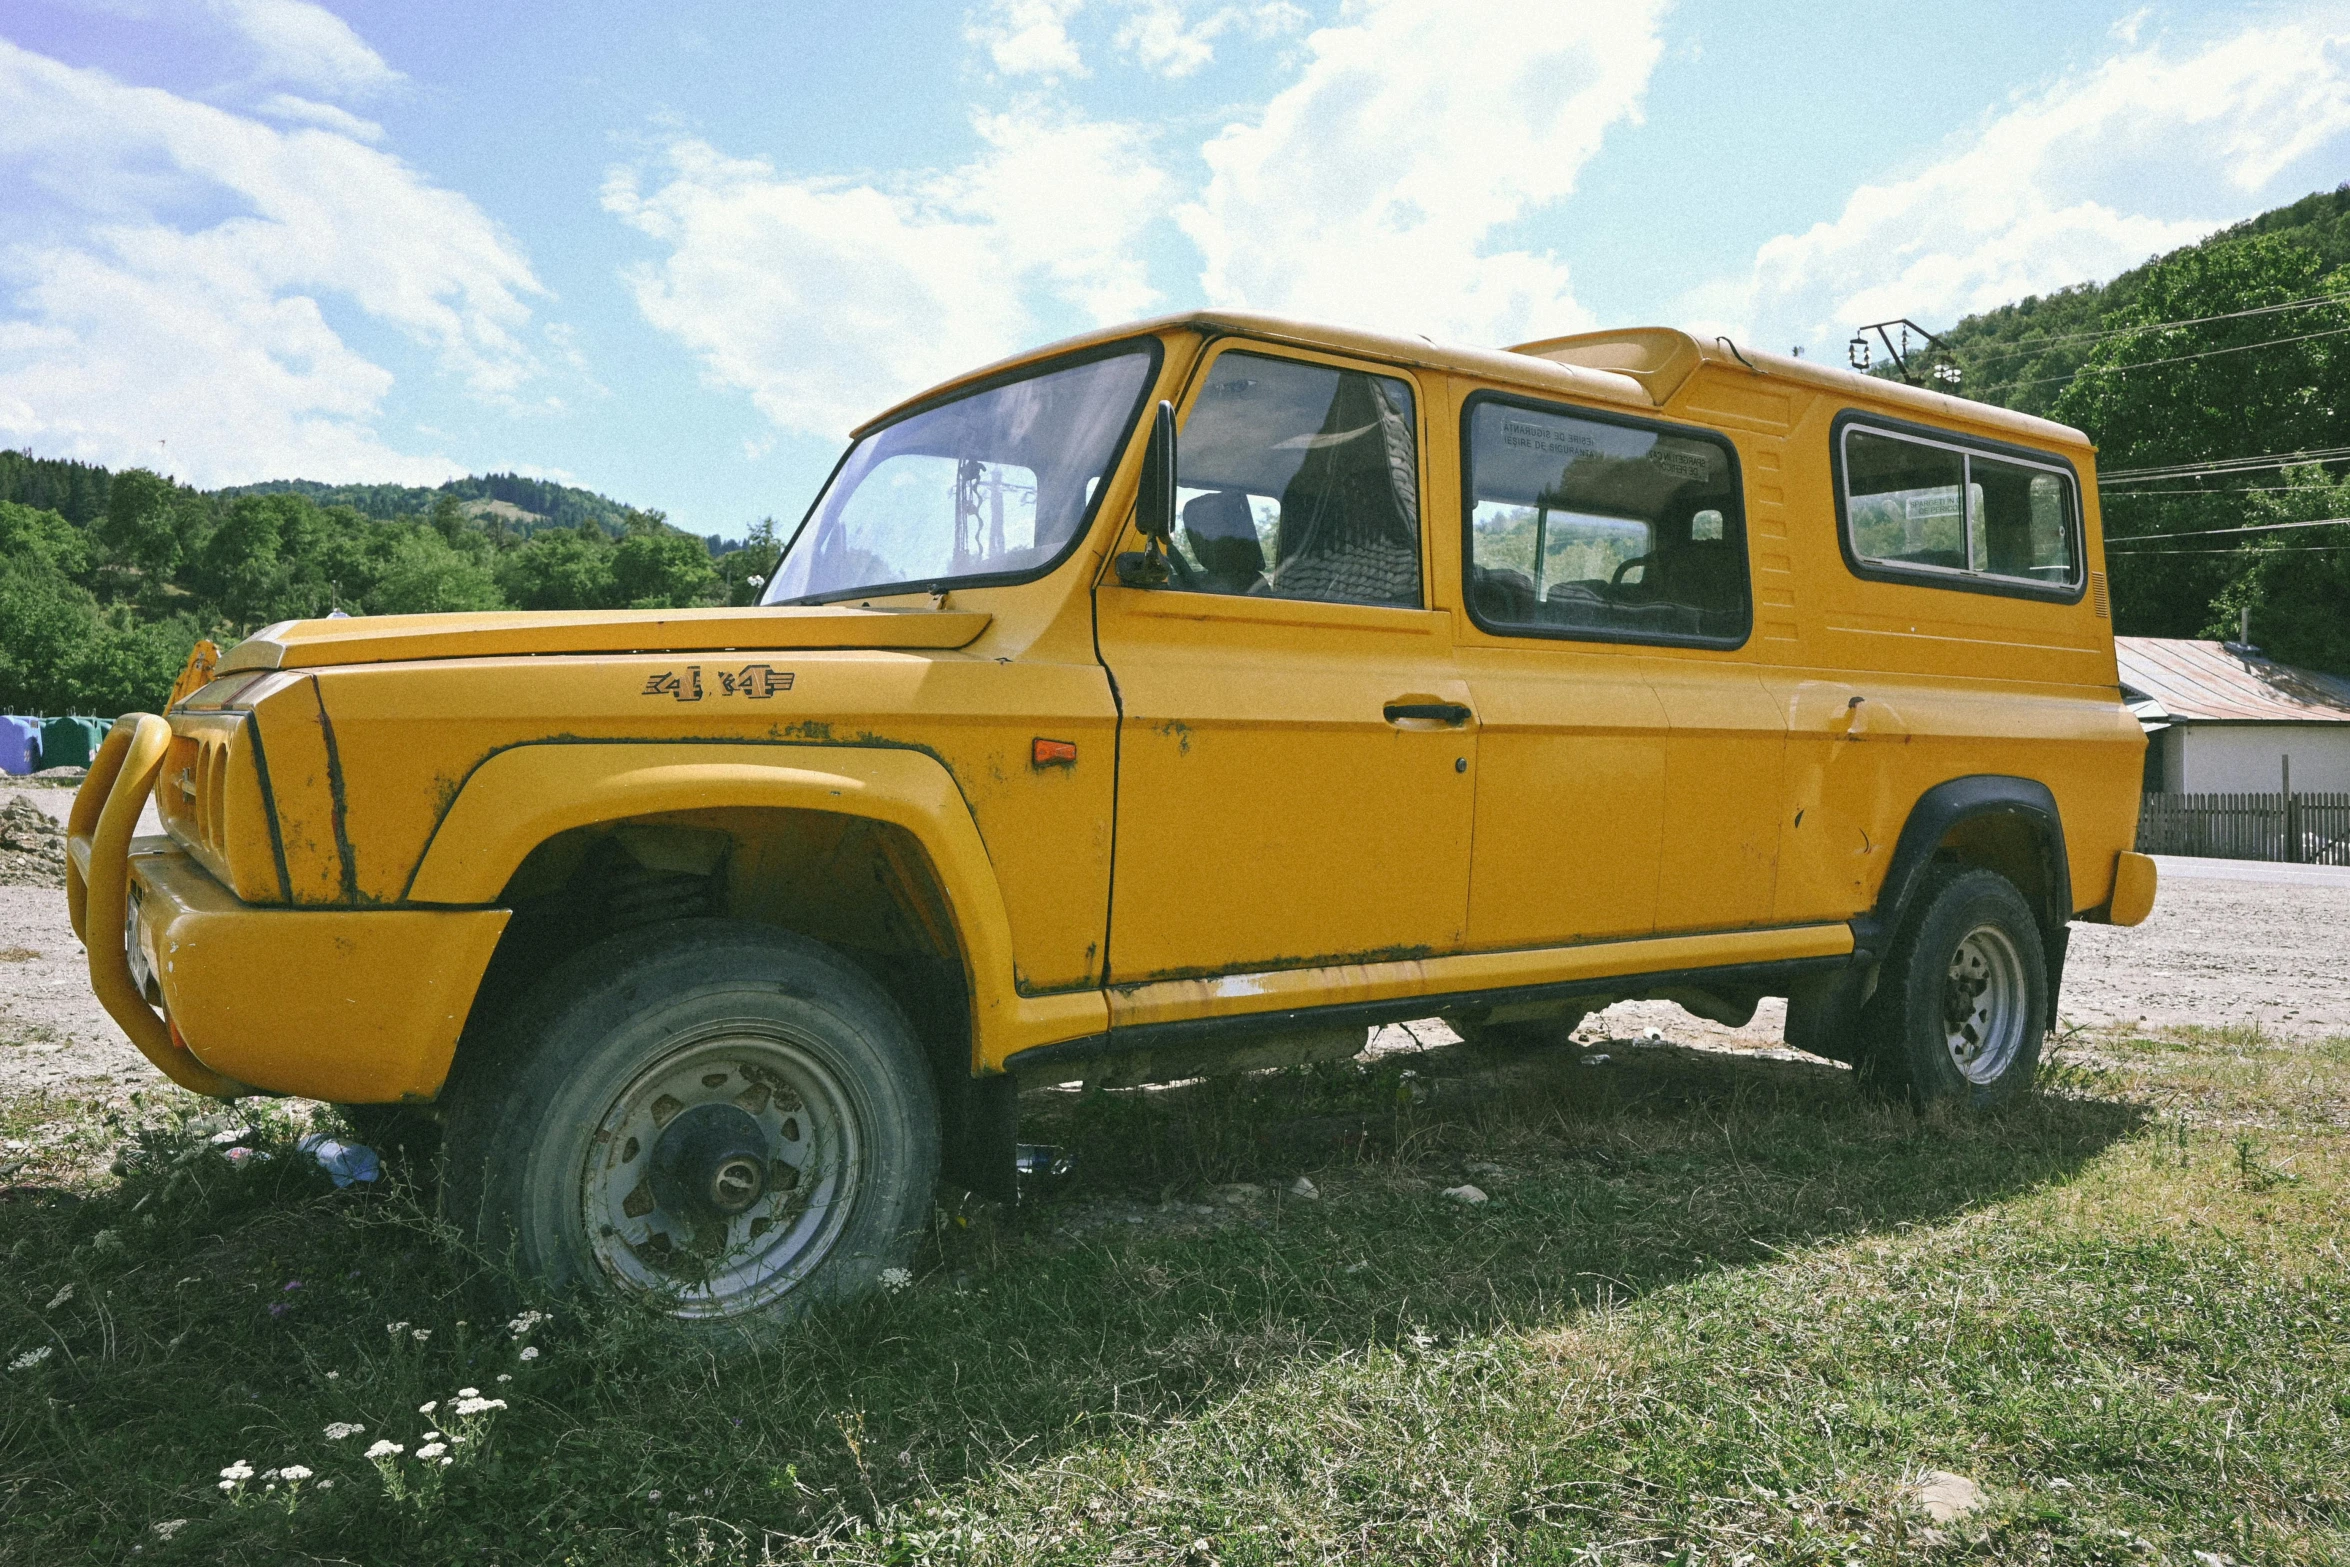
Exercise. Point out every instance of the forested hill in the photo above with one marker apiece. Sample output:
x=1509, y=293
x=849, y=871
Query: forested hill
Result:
x=2215, y=381
x=76, y=491
x=2023, y=355
x=526, y=505
x=107, y=579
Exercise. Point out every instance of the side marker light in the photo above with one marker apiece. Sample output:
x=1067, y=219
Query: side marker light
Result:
x=1053, y=753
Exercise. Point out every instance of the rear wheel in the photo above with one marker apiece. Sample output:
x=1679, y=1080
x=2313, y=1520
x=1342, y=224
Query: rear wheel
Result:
x=717, y=1116
x=1962, y=1002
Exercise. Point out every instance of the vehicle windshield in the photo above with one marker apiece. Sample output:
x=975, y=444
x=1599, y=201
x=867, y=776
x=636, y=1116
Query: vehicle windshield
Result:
x=993, y=485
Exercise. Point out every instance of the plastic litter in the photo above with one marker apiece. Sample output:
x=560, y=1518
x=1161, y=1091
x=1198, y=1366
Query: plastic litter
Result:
x=345, y=1162
x=1042, y=1159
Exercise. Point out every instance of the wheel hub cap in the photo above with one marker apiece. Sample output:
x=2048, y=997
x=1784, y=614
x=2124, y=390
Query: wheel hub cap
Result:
x=712, y=1160
x=1984, y=998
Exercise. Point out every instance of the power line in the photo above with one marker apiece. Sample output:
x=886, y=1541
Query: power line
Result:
x=2174, y=359
x=2233, y=489
x=2249, y=464
x=2282, y=549
x=2103, y=333
x=2257, y=527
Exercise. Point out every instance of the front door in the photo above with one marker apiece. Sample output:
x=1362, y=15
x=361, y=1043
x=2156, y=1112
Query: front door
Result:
x=1297, y=751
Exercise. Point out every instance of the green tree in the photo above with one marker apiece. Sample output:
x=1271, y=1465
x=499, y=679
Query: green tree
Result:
x=662, y=571
x=743, y=574
x=2159, y=395
x=142, y=525
x=426, y=575
x=561, y=568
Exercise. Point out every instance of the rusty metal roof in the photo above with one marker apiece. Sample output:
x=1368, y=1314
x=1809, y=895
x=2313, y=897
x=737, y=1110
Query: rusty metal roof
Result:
x=2208, y=682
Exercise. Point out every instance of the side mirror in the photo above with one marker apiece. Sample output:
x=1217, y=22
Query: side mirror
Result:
x=1154, y=507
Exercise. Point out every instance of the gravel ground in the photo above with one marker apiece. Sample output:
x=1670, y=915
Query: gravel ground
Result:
x=2229, y=942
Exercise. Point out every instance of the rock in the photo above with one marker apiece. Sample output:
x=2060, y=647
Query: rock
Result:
x=1946, y=1496
x=1304, y=1190
x=32, y=846
x=1466, y=1196
x=1236, y=1194
x=1597, y=1060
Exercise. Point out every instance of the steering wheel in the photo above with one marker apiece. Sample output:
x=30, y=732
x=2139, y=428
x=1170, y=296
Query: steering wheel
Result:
x=1617, y=580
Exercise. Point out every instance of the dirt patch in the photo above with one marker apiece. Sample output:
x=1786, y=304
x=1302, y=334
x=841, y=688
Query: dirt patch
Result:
x=32, y=845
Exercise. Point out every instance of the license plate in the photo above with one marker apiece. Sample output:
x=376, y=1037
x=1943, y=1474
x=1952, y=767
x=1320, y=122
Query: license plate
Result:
x=142, y=972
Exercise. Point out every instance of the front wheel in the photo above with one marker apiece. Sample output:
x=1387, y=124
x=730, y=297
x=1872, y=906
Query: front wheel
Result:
x=717, y=1116
x=1962, y=1003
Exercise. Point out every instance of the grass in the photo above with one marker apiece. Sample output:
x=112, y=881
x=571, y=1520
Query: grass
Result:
x=1719, y=1309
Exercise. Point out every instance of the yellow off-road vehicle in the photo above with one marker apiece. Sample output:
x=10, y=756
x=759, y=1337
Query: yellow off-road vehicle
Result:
x=1180, y=698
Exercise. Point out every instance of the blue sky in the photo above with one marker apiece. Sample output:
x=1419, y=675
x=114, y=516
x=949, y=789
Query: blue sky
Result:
x=673, y=252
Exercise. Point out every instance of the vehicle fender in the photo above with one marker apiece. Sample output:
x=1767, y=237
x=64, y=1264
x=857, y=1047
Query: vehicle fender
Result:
x=1822, y=1014
x=1944, y=807
x=520, y=797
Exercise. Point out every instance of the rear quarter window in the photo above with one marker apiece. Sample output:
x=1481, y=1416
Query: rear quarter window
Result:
x=1940, y=510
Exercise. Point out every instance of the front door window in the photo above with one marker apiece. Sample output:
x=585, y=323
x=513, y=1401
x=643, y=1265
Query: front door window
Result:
x=1300, y=481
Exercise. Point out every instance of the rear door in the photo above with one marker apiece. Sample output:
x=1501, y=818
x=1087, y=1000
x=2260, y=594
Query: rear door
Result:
x=1297, y=750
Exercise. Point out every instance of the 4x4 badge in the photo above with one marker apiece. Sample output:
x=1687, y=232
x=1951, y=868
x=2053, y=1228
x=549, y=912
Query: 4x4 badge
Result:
x=756, y=681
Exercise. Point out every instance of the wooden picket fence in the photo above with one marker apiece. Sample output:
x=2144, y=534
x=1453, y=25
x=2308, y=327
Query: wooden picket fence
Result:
x=2308, y=829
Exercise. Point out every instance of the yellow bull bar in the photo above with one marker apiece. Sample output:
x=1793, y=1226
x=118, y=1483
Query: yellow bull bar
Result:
x=97, y=892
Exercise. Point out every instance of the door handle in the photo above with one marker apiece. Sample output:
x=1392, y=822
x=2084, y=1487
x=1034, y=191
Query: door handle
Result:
x=1442, y=712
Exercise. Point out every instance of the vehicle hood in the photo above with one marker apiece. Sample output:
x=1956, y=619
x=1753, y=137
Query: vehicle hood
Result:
x=380, y=639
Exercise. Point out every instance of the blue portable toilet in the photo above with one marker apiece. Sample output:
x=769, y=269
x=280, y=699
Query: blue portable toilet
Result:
x=20, y=745
x=71, y=742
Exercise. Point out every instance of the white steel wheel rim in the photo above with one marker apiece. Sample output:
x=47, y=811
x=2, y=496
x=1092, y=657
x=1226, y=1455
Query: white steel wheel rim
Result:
x=701, y=1262
x=1984, y=999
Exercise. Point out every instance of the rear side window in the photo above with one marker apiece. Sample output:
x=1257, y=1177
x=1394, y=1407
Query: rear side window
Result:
x=1955, y=516
x=1602, y=529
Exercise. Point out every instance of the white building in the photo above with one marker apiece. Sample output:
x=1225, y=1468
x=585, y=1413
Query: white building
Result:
x=2221, y=721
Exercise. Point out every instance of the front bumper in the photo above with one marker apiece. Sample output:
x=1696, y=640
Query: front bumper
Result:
x=358, y=1006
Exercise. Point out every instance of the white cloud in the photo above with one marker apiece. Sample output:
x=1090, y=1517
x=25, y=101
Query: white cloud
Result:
x=133, y=320
x=826, y=299
x=308, y=111
x=1029, y=37
x=2148, y=151
x=1161, y=38
x=307, y=44
x=1370, y=189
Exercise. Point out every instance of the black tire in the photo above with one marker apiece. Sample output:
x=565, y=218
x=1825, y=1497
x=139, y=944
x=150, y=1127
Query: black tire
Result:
x=1961, y=1004
x=409, y=1134
x=791, y=1084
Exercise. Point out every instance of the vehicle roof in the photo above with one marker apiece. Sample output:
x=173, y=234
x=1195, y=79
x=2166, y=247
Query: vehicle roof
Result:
x=1639, y=367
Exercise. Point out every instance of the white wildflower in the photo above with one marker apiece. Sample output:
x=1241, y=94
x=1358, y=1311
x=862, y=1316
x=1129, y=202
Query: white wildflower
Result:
x=293, y=1474
x=446, y=1462
x=432, y=1450
x=469, y=1392
x=420, y=1334
x=395, y=1329
x=343, y=1428
x=327, y=1484
x=30, y=1358
x=505, y=1376
x=428, y=1406
x=386, y=1450
x=531, y=1352
x=169, y=1527
x=332, y=1375
x=240, y=1470
x=895, y=1279
x=59, y=1299
x=652, y=1496
x=524, y=1323
x=478, y=1406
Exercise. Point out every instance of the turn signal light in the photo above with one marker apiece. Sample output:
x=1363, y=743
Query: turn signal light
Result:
x=1053, y=753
